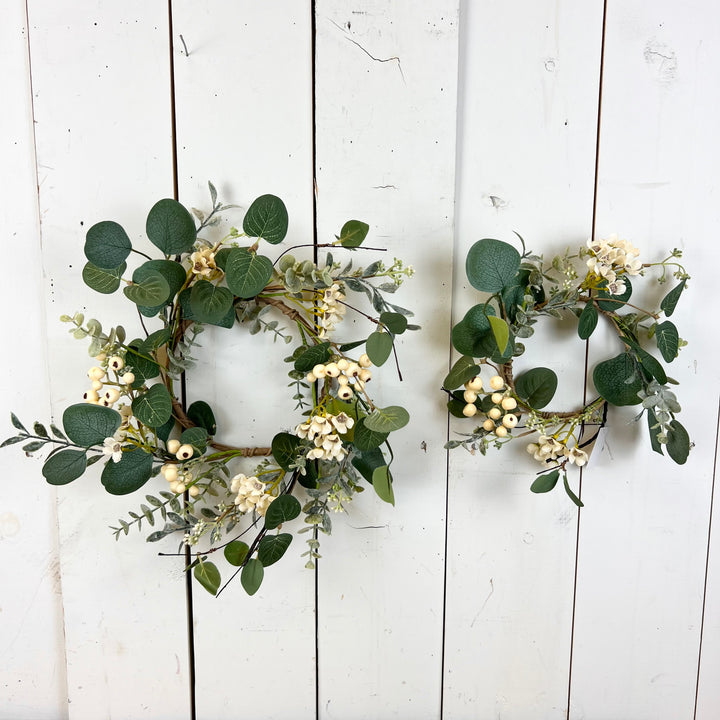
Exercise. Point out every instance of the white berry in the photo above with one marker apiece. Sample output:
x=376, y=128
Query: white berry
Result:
x=470, y=396
x=475, y=384
x=509, y=403
x=496, y=382
x=494, y=413
x=510, y=420
x=469, y=410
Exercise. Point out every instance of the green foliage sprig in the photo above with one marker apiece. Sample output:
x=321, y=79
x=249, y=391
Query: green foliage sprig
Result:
x=131, y=416
x=522, y=289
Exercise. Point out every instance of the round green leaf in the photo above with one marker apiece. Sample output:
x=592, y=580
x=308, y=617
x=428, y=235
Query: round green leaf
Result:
x=170, y=227
x=266, y=218
x=386, y=420
x=273, y=547
x=202, y=415
x=210, y=303
x=545, y=483
x=366, y=439
x=151, y=291
x=88, y=425
x=284, y=447
x=463, y=370
x=102, y=280
x=184, y=299
x=107, y=245
x=491, y=265
x=378, y=347
x=394, y=322
x=252, y=576
x=154, y=407
x=353, y=233
x=282, y=509
x=467, y=336
x=366, y=462
x=207, y=574
x=128, y=475
x=246, y=273
x=382, y=484
x=537, y=387
x=678, y=442
x=668, y=340
x=173, y=272
x=617, y=380
x=64, y=467
x=313, y=356
x=144, y=367
x=197, y=437
x=587, y=322
x=235, y=552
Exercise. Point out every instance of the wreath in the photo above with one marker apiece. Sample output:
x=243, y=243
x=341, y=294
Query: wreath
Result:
x=524, y=289
x=133, y=416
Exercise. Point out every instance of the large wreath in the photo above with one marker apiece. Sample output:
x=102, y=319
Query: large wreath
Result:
x=522, y=289
x=134, y=418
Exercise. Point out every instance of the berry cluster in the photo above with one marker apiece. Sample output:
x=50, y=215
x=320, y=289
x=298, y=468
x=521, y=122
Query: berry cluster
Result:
x=499, y=416
x=351, y=376
x=176, y=474
x=98, y=394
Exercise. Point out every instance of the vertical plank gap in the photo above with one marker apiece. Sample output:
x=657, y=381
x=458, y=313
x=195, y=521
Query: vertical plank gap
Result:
x=313, y=134
x=189, y=611
x=587, y=349
x=45, y=336
x=707, y=563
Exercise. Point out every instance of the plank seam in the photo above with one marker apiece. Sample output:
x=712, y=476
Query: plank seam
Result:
x=189, y=606
x=56, y=519
x=596, y=176
x=707, y=563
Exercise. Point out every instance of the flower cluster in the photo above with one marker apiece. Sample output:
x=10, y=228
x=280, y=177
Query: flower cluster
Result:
x=251, y=494
x=202, y=263
x=549, y=450
x=331, y=309
x=350, y=376
x=324, y=431
x=612, y=257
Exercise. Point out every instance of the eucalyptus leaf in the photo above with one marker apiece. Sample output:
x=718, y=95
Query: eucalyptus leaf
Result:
x=210, y=303
x=247, y=273
x=282, y=509
x=314, y=355
x=378, y=347
x=235, y=552
x=587, y=322
x=366, y=439
x=670, y=301
x=386, y=420
x=266, y=218
x=170, y=227
x=652, y=422
x=252, y=576
x=273, y=547
x=284, y=449
x=545, y=483
x=152, y=291
x=128, y=475
x=382, y=484
x=197, y=437
x=617, y=380
x=536, y=387
x=500, y=331
x=394, y=322
x=154, y=407
x=463, y=370
x=202, y=415
x=207, y=574
x=105, y=281
x=88, y=425
x=107, y=245
x=353, y=233
x=65, y=466
x=678, y=442
x=491, y=265
x=668, y=340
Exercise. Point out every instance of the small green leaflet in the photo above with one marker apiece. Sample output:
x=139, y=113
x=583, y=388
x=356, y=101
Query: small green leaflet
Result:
x=202, y=415
x=273, y=547
x=210, y=303
x=88, y=425
x=313, y=356
x=678, y=444
x=366, y=439
x=537, y=387
x=128, y=475
x=491, y=265
x=667, y=339
x=587, y=322
x=385, y=420
x=394, y=322
x=284, y=447
x=570, y=493
x=282, y=509
x=545, y=483
x=153, y=290
x=378, y=347
x=463, y=370
x=252, y=576
x=353, y=233
x=153, y=408
x=207, y=574
x=235, y=552
x=670, y=301
x=102, y=280
x=617, y=380
x=500, y=331
x=64, y=467
x=382, y=484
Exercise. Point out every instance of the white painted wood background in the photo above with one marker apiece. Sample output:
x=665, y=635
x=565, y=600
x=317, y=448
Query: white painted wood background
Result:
x=439, y=124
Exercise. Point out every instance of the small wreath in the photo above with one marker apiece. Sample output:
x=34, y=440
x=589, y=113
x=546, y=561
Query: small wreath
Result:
x=523, y=289
x=132, y=418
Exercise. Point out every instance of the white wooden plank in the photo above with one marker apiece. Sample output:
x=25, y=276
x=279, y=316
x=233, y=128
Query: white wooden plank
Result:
x=644, y=533
x=32, y=648
x=244, y=122
x=386, y=98
x=527, y=128
x=100, y=78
